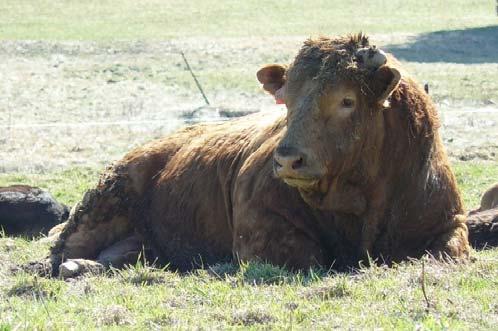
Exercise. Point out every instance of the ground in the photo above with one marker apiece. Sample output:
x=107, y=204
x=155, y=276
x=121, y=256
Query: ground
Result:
x=83, y=82
x=459, y=296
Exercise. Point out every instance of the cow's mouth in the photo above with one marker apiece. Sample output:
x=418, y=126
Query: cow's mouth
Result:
x=302, y=183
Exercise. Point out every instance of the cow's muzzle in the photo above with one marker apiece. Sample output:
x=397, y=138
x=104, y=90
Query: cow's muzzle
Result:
x=292, y=166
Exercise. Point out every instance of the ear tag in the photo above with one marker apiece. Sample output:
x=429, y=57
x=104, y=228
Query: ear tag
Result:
x=279, y=96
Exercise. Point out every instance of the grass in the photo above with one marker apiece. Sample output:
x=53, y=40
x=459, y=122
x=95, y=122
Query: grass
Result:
x=458, y=82
x=474, y=179
x=67, y=186
x=459, y=297
x=157, y=19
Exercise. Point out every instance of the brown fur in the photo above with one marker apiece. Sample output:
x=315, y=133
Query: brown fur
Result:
x=489, y=199
x=209, y=193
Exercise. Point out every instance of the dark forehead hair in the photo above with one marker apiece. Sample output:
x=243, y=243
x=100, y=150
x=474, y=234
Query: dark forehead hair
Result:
x=330, y=60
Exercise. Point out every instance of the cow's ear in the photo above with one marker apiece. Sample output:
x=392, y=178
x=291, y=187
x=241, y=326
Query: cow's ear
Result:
x=385, y=81
x=272, y=77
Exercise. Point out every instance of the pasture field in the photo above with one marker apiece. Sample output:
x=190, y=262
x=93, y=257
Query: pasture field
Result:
x=159, y=20
x=82, y=82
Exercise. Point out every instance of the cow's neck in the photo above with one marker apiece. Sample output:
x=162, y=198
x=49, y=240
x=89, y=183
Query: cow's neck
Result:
x=413, y=159
x=410, y=141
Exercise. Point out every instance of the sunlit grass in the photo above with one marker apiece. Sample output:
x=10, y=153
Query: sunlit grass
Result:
x=66, y=186
x=156, y=19
x=255, y=296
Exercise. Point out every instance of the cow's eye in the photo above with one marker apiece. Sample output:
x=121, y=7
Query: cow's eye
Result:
x=347, y=103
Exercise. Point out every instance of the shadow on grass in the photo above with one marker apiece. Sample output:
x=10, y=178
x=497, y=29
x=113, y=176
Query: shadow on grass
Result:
x=475, y=45
x=256, y=273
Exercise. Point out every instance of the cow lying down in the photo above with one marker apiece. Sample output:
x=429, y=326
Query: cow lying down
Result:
x=29, y=211
x=483, y=222
x=356, y=168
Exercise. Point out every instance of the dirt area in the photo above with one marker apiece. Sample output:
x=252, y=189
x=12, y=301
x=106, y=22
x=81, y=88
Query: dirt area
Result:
x=85, y=104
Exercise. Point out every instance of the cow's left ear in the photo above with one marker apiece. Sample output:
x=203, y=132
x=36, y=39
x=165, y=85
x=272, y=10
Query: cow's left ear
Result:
x=272, y=77
x=385, y=81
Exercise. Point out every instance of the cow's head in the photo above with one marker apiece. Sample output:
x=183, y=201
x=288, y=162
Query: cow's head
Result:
x=335, y=92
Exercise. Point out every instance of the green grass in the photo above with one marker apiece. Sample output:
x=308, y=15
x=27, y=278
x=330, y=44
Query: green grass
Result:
x=158, y=19
x=66, y=186
x=474, y=179
x=255, y=296
x=458, y=82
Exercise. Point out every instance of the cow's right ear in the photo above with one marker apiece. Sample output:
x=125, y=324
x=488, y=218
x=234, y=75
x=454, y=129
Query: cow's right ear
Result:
x=272, y=77
x=385, y=81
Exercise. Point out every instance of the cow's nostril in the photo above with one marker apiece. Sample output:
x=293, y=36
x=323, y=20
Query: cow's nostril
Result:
x=297, y=163
x=288, y=161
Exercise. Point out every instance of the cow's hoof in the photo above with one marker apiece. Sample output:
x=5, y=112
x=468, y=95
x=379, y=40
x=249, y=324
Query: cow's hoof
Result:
x=77, y=267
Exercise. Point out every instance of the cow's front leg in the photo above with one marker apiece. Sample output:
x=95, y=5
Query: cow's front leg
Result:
x=452, y=243
x=273, y=239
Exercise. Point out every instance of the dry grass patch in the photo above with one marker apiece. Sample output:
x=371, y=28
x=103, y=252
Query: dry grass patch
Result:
x=251, y=317
x=113, y=315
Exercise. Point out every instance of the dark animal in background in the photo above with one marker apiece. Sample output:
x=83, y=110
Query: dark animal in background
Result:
x=483, y=221
x=29, y=211
x=489, y=199
x=483, y=228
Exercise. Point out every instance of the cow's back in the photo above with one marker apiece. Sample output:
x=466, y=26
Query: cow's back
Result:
x=187, y=212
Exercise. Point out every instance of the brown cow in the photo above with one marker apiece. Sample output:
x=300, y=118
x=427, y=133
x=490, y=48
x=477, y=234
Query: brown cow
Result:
x=356, y=168
x=489, y=199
